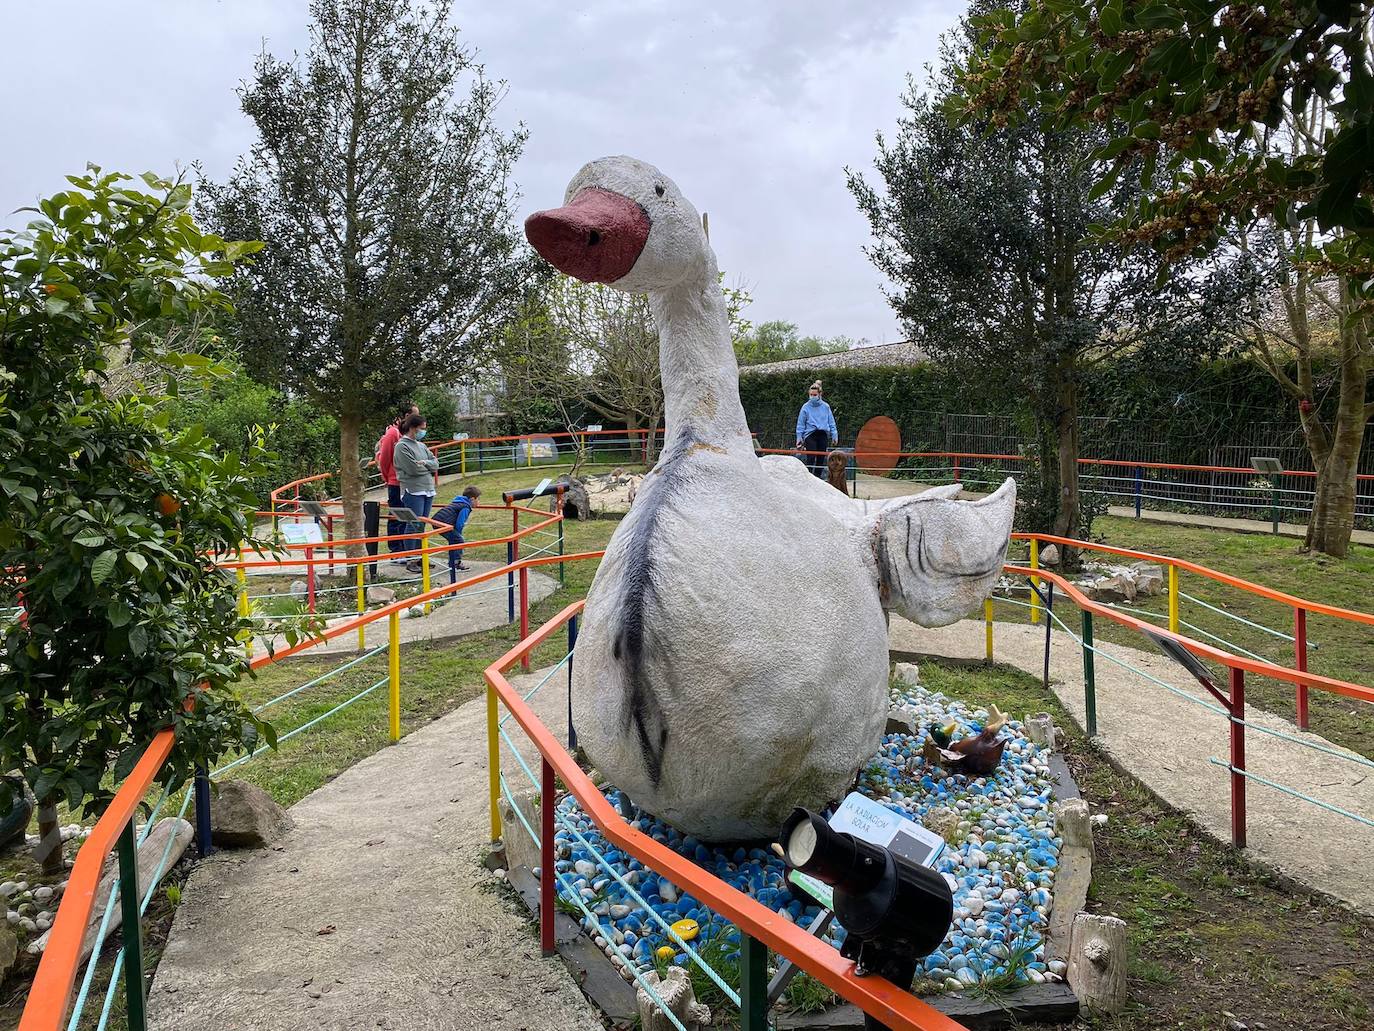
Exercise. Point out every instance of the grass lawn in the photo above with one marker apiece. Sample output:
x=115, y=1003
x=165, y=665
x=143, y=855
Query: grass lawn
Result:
x=1213, y=937
x=1337, y=648
x=1211, y=934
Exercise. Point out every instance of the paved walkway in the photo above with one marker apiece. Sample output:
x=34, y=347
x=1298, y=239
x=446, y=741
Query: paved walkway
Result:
x=1166, y=741
x=374, y=913
x=472, y=610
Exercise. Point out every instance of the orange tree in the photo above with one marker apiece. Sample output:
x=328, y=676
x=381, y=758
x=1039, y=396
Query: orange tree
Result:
x=110, y=521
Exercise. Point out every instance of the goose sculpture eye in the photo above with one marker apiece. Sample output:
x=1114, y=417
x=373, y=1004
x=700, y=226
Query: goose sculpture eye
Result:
x=658, y=189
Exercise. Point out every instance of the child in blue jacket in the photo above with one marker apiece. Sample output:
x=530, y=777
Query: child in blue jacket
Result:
x=457, y=512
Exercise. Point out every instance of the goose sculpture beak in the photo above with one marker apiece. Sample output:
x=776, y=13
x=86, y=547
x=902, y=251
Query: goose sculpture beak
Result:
x=597, y=237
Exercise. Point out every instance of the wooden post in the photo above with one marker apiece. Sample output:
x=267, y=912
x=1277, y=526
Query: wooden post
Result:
x=1097, y=962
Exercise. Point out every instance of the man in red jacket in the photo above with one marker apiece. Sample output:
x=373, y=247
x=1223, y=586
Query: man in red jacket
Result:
x=386, y=446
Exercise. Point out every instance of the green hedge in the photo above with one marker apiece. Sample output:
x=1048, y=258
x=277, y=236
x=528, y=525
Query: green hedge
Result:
x=1190, y=407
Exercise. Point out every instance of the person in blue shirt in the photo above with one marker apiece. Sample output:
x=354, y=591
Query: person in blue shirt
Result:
x=815, y=430
x=457, y=512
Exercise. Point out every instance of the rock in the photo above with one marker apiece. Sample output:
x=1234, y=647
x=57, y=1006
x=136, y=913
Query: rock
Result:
x=9, y=951
x=243, y=815
x=666, y=891
x=1149, y=578
x=8, y=888
x=377, y=595
x=43, y=894
x=675, y=990
x=415, y=612
x=169, y=837
x=576, y=504
x=907, y=673
x=299, y=588
x=944, y=822
x=1040, y=729
x=25, y=924
x=1049, y=555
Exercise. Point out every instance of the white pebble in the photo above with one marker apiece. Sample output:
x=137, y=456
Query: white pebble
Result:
x=43, y=894
x=666, y=891
x=585, y=867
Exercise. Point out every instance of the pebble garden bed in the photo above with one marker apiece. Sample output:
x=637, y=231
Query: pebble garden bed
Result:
x=1000, y=861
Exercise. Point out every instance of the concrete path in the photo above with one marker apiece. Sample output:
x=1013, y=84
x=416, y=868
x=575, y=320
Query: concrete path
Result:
x=472, y=610
x=374, y=912
x=1166, y=741
x=1298, y=530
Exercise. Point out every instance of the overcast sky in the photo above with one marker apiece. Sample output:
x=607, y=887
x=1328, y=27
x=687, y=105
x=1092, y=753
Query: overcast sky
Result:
x=754, y=107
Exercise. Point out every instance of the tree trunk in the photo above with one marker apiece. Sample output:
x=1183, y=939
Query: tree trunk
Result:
x=48, y=851
x=1067, y=510
x=1336, y=457
x=351, y=480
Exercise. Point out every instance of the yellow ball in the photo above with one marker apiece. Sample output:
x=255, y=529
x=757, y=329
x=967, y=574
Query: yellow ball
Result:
x=686, y=929
x=665, y=952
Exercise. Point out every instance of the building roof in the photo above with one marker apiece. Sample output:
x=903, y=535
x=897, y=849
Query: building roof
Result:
x=903, y=352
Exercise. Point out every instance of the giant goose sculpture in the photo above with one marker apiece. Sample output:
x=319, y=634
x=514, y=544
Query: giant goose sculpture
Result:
x=734, y=658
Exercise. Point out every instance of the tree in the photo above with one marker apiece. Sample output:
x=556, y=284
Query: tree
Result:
x=584, y=347
x=1253, y=115
x=777, y=341
x=985, y=234
x=392, y=257
x=110, y=522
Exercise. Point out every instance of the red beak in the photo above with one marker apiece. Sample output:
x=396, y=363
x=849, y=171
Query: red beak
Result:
x=597, y=238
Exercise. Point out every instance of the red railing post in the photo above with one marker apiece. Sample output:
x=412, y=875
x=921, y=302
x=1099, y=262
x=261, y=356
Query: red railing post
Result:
x=546, y=872
x=1300, y=656
x=1237, y=757
x=957, y=478
x=310, y=577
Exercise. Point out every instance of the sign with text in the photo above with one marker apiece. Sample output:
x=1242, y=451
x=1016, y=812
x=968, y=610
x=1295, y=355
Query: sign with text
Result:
x=873, y=822
x=302, y=533
x=594, y=429
x=543, y=486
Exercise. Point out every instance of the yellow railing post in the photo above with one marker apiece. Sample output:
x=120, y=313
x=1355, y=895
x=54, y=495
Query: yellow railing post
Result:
x=494, y=763
x=394, y=661
x=463, y=458
x=987, y=621
x=244, y=608
x=1173, y=597
x=362, y=607
x=1035, y=581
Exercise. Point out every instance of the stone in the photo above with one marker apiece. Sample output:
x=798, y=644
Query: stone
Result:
x=243, y=815
x=1049, y=555
x=576, y=504
x=9, y=951
x=299, y=588
x=42, y=894
x=169, y=837
x=944, y=822
x=1040, y=729
x=675, y=990
x=1149, y=578
x=697, y=693
x=907, y=673
x=378, y=595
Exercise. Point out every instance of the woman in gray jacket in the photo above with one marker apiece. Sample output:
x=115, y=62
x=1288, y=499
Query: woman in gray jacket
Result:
x=416, y=471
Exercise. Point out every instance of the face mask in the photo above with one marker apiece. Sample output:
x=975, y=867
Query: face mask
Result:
x=420, y=434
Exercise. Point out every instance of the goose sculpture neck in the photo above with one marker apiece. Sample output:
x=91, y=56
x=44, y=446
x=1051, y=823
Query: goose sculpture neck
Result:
x=697, y=362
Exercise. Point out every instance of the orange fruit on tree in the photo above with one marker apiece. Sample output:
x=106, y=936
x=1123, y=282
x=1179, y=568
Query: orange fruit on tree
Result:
x=168, y=505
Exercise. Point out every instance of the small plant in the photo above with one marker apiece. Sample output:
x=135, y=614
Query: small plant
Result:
x=173, y=895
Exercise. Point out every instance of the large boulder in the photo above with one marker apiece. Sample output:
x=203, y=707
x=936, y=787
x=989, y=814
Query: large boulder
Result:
x=14, y=816
x=243, y=815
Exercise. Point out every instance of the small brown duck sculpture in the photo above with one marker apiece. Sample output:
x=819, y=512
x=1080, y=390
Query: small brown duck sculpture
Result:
x=973, y=756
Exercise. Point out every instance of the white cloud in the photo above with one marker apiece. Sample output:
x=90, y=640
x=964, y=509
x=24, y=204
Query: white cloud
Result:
x=754, y=108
